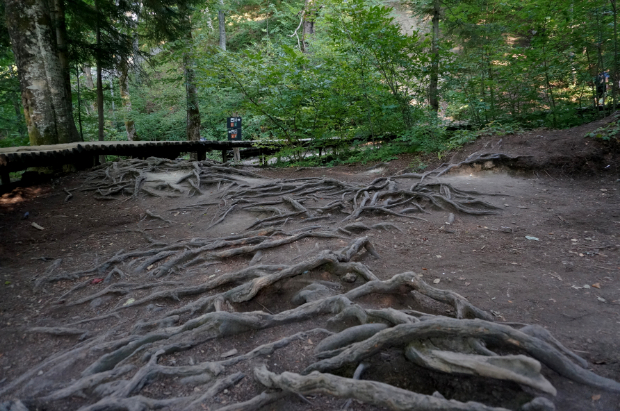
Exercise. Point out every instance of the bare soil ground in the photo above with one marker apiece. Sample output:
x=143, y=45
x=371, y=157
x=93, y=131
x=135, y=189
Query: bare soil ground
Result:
x=550, y=257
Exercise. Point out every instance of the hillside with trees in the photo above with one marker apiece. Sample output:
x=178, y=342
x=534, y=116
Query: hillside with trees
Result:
x=319, y=69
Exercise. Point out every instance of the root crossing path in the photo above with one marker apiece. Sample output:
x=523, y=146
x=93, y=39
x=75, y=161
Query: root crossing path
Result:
x=205, y=324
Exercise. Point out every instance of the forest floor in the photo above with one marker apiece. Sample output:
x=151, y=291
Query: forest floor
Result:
x=550, y=256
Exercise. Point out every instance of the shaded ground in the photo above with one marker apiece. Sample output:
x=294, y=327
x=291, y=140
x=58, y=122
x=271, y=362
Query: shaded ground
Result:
x=566, y=278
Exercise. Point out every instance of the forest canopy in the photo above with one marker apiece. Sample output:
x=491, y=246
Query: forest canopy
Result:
x=408, y=72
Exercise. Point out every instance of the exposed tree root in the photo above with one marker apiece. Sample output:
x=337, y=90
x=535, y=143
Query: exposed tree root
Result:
x=150, y=331
x=370, y=392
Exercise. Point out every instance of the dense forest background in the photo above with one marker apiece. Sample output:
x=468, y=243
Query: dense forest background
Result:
x=426, y=75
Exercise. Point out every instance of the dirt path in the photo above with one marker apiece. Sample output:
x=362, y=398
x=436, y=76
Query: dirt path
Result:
x=549, y=257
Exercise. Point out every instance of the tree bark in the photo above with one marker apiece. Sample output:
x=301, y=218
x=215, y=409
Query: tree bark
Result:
x=125, y=97
x=88, y=73
x=221, y=17
x=433, y=91
x=99, y=77
x=193, y=113
x=44, y=95
x=63, y=56
x=308, y=25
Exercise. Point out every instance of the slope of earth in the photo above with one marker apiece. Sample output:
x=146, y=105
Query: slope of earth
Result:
x=132, y=295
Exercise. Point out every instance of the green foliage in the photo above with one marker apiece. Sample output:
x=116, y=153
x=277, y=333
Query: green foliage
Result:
x=608, y=132
x=461, y=137
x=14, y=141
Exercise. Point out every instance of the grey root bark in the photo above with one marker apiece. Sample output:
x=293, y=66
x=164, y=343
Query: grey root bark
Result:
x=126, y=99
x=44, y=90
x=434, y=80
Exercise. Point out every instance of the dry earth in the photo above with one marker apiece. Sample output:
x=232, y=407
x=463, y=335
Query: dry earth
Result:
x=549, y=257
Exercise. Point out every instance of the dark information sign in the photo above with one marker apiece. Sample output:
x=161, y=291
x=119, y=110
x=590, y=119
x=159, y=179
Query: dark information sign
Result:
x=234, y=128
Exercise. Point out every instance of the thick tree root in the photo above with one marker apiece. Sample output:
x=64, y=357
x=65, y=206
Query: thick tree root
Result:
x=486, y=331
x=370, y=392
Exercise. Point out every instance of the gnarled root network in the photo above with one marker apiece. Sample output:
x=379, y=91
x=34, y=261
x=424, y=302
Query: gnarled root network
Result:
x=164, y=334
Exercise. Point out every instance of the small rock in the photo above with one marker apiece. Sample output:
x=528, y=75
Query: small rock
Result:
x=40, y=372
x=349, y=278
x=229, y=353
x=436, y=280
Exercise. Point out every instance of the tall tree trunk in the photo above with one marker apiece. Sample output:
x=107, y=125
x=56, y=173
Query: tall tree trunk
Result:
x=88, y=73
x=137, y=59
x=125, y=97
x=99, y=81
x=41, y=79
x=63, y=56
x=614, y=82
x=308, y=24
x=79, y=97
x=433, y=96
x=193, y=114
x=221, y=17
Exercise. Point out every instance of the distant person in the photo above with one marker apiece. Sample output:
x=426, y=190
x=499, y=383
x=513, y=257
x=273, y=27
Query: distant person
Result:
x=601, y=87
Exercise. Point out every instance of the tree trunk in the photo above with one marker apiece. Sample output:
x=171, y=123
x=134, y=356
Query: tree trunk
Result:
x=193, y=114
x=308, y=25
x=614, y=82
x=79, y=97
x=433, y=91
x=124, y=86
x=221, y=17
x=99, y=82
x=63, y=57
x=88, y=73
x=44, y=97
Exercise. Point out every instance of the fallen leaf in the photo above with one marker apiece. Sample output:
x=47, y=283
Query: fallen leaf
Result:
x=424, y=268
x=436, y=281
x=596, y=397
x=467, y=284
x=96, y=280
x=529, y=237
x=150, y=267
x=596, y=285
x=601, y=299
x=129, y=301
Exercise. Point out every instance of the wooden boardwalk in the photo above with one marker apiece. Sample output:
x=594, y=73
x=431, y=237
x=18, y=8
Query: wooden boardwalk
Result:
x=86, y=154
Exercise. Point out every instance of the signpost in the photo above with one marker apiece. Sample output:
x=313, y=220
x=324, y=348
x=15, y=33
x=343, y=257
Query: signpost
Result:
x=233, y=124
